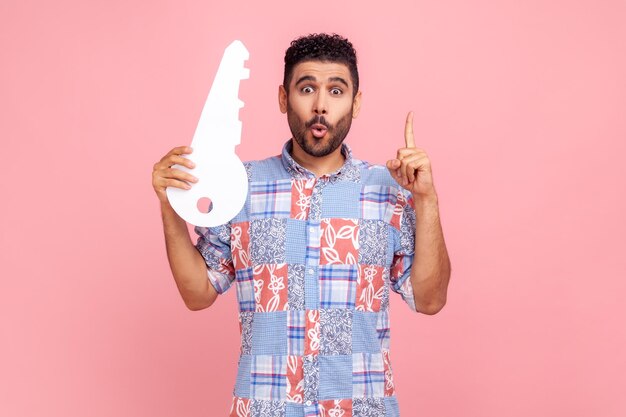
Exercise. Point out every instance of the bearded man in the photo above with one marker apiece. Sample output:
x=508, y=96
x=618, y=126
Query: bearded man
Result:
x=321, y=240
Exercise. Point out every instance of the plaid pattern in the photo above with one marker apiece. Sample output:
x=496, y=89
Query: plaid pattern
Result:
x=368, y=375
x=313, y=261
x=337, y=286
x=295, y=332
x=268, y=377
x=382, y=329
x=270, y=199
x=377, y=202
x=245, y=289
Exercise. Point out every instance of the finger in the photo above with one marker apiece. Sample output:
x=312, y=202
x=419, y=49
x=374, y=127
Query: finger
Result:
x=421, y=163
x=178, y=174
x=175, y=159
x=401, y=178
x=408, y=131
x=164, y=183
x=410, y=165
x=407, y=152
x=182, y=150
x=179, y=150
x=172, y=173
x=393, y=167
x=170, y=160
x=393, y=164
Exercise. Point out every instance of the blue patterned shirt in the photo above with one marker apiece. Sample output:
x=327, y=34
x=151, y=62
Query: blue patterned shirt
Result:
x=313, y=260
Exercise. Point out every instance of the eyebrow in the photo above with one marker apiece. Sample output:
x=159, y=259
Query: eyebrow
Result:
x=305, y=78
x=331, y=79
x=339, y=80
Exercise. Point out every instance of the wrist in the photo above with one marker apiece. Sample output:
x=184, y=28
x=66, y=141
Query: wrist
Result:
x=427, y=199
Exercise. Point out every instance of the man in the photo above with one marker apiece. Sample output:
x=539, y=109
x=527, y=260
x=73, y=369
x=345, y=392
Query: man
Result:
x=316, y=248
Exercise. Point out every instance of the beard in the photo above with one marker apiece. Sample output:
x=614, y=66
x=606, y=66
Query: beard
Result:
x=335, y=134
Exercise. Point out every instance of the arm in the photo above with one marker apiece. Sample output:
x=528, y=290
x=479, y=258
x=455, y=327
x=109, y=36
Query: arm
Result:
x=430, y=270
x=187, y=264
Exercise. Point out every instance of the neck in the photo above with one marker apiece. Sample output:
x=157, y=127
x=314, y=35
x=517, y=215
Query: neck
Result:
x=318, y=165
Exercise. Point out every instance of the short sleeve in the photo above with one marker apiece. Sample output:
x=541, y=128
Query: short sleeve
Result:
x=214, y=246
x=404, y=249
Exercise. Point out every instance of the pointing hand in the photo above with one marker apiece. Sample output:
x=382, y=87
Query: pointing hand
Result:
x=411, y=166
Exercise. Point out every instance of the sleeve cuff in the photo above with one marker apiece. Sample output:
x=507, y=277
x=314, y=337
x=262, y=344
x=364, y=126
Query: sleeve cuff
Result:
x=221, y=282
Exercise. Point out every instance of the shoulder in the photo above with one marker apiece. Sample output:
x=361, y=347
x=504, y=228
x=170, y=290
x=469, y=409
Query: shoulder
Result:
x=378, y=185
x=264, y=169
x=375, y=174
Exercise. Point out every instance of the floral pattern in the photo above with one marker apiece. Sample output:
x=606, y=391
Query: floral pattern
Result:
x=302, y=323
x=335, y=408
x=267, y=240
x=389, y=387
x=336, y=327
x=295, y=379
x=240, y=407
x=339, y=241
x=301, y=191
x=245, y=327
x=373, y=242
x=371, y=289
x=398, y=210
x=240, y=245
x=407, y=237
x=267, y=408
x=368, y=407
x=312, y=333
x=270, y=287
x=315, y=210
x=311, y=370
x=296, y=287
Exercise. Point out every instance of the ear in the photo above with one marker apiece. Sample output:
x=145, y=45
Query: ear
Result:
x=282, y=99
x=356, y=105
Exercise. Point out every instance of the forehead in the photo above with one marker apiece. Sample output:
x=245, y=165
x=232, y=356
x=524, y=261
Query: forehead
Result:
x=321, y=70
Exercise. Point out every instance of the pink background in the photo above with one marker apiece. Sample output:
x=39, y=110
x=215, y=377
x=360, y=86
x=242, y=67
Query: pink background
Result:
x=521, y=106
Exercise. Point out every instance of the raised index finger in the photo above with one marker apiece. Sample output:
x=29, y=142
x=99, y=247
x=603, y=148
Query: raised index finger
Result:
x=408, y=131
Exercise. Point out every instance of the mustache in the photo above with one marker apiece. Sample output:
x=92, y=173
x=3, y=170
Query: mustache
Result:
x=317, y=120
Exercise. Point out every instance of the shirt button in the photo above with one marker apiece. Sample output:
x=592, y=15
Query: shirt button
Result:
x=308, y=402
x=311, y=271
x=311, y=229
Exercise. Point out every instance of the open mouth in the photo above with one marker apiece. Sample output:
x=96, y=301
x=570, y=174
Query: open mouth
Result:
x=318, y=130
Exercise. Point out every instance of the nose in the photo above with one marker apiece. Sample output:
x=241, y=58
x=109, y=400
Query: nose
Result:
x=320, y=105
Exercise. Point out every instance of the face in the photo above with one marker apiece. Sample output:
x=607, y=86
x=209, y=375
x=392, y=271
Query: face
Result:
x=320, y=105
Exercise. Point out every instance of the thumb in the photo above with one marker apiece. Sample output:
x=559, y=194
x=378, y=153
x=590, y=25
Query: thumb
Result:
x=392, y=166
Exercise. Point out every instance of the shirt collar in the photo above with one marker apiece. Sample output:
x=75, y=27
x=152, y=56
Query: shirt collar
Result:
x=348, y=171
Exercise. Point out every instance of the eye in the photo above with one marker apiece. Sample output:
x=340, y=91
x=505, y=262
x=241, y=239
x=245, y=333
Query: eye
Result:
x=336, y=91
x=307, y=90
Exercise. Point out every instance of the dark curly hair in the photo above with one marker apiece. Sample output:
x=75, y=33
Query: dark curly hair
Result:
x=321, y=47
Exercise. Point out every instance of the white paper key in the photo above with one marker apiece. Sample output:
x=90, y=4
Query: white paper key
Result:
x=221, y=174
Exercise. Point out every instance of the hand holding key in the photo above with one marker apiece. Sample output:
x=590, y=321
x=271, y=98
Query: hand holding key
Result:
x=222, y=178
x=163, y=175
